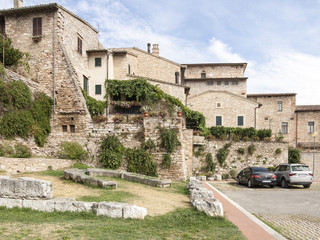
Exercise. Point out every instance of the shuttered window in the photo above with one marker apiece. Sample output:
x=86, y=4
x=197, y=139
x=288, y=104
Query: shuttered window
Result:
x=37, y=26
x=240, y=120
x=218, y=121
x=85, y=83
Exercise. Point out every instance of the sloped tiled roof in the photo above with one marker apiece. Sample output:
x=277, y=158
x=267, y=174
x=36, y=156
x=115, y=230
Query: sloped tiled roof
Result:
x=307, y=108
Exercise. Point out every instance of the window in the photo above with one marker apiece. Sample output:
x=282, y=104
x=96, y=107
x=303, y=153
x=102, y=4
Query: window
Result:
x=218, y=105
x=226, y=83
x=235, y=82
x=64, y=128
x=37, y=26
x=284, y=127
x=72, y=128
x=279, y=106
x=203, y=75
x=240, y=120
x=219, y=83
x=79, y=45
x=218, y=121
x=310, y=127
x=97, y=62
x=98, y=89
x=85, y=83
x=129, y=69
x=210, y=82
x=176, y=75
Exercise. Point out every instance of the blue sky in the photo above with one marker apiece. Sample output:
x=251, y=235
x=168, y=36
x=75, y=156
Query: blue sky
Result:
x=280, y=40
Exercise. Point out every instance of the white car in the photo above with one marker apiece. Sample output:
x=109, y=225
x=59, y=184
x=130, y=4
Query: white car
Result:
x=293, y=174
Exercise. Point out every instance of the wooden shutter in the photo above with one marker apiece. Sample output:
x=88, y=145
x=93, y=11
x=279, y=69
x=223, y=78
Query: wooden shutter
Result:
x=37, y=26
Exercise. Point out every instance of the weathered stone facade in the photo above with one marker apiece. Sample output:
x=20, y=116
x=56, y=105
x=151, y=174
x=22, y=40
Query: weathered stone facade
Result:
x=226, y=105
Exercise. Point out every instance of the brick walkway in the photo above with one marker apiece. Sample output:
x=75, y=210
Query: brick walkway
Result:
x=250, y=228
x=295, y=227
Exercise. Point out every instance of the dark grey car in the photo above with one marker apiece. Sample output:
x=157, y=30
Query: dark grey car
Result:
x=256, y=176
x=293, y=174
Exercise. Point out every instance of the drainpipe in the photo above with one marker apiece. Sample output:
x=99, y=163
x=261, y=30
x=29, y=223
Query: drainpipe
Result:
x=296, y=129
x=54, y=66
x=255, y=115
x=106, y=85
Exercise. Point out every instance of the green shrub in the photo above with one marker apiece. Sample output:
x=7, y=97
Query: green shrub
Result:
x=72, y=150
x=241, y=151
x=211, y=166
x=251, y=149
x=22, y=151
x=233, y=173
x=16, y=124
x=140, y=161
x=169, y=139
x=20, y=95
x=199, y=152
x=6, y=149
x=223, y=153
x=95, y=107
x=278, y=151
x=111, y=151
x=263, y=133
x=149, y=145
x=294, y=155
x=272, y=168
x=166, y=161
x=1, y=151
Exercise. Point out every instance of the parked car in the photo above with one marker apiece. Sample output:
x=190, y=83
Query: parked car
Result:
x=256, y=176
x=293, y=174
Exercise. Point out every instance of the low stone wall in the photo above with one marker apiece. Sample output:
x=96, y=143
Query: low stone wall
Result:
x=20, y=165
x=80, y=176
x=37, y=195
x=203, y=199
x=132, y=177
x=265, y=155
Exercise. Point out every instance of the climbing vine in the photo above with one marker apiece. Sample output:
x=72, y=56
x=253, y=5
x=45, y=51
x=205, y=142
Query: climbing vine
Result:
x=169, y=139
x=211, y=166
x=223, y=153
x=111, y=151
x=144, y=91
x=95, y=107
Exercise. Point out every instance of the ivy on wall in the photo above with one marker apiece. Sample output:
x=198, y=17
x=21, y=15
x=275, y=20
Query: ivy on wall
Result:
x=95, y=107
x=22, y=117
x=144, y=91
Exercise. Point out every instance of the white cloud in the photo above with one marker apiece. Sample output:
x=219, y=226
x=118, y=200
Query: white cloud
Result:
x=288, y=71
x=223, y=52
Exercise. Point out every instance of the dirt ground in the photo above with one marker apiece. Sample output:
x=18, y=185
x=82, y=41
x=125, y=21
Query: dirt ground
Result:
x=156, y=200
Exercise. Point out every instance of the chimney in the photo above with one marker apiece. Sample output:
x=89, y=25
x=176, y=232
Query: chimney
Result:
x=149, y=46
x=155, y=49
x=17, y=3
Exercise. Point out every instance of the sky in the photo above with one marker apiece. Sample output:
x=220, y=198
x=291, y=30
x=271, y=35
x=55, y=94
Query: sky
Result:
x=280, y=40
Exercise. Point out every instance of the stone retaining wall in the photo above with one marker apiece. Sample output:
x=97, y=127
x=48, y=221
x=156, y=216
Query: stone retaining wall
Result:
x=37, y=195
x=20, y=165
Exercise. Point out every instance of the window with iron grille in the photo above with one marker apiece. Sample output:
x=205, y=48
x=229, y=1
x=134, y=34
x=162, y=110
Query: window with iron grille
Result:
x=37, y=26
x=203, y=75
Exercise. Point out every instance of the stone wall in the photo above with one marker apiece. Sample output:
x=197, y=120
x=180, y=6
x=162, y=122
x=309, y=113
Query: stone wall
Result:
x=307, y=158
x=214, y=70
x=303, y=136
x=227, y=105
x=20, y=165
x=264, y=156
x=201, y=85
x=269, y=118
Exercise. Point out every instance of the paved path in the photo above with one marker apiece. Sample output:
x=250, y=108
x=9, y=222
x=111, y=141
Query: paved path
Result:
x=250, y=226
x=295, y=212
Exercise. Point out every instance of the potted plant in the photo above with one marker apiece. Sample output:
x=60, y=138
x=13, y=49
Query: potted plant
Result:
x=179, y=112
x=145, y=110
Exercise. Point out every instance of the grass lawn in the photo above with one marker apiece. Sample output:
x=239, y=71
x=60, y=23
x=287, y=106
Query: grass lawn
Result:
x=182, y=223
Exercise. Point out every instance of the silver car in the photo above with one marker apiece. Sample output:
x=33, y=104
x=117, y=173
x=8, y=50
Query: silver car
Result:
x=293, y=174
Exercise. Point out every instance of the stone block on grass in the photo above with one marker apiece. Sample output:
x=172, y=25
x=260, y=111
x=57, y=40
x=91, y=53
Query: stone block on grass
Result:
x=134, y=212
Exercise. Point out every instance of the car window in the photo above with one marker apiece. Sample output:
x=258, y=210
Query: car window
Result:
x=260, y=170
x=277, y=168
x=282, y=168
x=287, y=168
x=300, y=168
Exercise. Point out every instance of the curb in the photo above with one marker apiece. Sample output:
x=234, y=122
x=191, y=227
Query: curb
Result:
x=268, y=229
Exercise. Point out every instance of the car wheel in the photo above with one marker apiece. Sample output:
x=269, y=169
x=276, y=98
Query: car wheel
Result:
x=284, y=183
x=250, y=185
x=307, y=185
x=238, y=181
